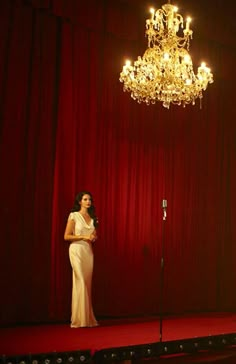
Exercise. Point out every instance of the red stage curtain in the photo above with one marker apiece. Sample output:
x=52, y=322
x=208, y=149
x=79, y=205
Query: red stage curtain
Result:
x=66, y=125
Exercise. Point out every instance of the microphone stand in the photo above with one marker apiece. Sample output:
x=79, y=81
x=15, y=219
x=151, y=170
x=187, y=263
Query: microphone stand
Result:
x=164, y=206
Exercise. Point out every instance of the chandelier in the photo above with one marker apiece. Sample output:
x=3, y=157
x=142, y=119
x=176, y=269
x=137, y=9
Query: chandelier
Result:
x=165, y=71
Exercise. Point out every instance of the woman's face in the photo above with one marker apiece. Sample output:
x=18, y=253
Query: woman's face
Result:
x=86, y=201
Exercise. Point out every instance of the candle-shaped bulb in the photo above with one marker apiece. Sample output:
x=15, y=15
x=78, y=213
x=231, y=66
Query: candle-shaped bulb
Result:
x=152, y=11
x=188, y=20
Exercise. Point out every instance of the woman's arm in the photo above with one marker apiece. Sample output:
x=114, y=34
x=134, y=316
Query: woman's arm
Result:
x=69, y=233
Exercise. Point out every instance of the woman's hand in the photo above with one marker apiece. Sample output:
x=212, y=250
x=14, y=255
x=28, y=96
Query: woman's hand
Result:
x=93, y=237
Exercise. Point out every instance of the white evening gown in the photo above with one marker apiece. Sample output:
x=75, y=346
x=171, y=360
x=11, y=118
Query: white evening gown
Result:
x=81, y=259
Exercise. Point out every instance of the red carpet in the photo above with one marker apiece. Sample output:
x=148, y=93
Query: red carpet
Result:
x=116, y=333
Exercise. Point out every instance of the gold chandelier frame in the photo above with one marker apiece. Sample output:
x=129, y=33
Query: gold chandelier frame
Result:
x=165, y=71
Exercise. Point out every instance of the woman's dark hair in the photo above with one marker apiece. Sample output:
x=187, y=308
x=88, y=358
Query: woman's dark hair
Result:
x=91, y=209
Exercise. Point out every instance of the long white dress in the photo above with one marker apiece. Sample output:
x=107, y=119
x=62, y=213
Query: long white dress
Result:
x=81, y=259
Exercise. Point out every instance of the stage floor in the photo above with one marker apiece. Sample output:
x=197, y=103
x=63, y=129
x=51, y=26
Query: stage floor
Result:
x=36, y=339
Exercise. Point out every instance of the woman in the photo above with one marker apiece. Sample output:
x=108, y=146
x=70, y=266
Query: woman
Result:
x=81, y=233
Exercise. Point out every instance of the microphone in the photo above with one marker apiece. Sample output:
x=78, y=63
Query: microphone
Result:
x=164, y=206
x=164, y=203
